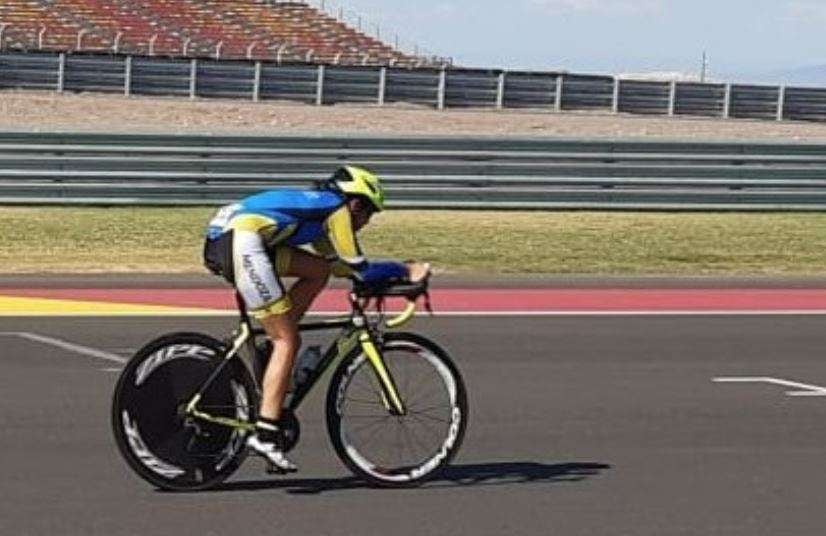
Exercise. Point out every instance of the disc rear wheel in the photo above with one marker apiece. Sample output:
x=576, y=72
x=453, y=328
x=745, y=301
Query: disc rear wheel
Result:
x=163, y=444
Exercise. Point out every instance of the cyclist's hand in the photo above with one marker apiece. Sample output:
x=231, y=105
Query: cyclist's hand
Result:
x=418, y=271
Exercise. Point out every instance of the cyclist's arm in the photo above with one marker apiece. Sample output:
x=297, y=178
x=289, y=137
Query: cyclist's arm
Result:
x=342, y=241
x=323, y=247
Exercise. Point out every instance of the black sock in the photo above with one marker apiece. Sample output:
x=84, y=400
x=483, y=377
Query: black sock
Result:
x=268, y=430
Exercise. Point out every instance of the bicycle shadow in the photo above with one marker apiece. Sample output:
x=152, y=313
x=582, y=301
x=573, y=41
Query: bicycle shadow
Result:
x=482, y=474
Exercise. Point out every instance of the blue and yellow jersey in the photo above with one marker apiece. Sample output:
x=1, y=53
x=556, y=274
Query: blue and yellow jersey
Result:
x=319, y=218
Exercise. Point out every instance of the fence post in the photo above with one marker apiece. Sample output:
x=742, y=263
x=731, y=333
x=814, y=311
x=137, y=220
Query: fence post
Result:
x=61, y=72
x=127, y=77
x=382, y=85
x=558, y=93
x=193, y=78
x=781, y=102
x=250, y=48
x=615, y=98
x=256, y=84
x=80, y=35
x=672, y=97
x=442, y=90
x=319, y=88
x=727, y=102
x=500, y=91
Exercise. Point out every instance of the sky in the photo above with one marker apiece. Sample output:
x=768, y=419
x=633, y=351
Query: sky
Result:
x=743, y=38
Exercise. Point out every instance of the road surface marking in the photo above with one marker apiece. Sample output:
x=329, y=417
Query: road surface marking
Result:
x=24, y=306
x=234, y=313
x=66, y=345
x=802, y=389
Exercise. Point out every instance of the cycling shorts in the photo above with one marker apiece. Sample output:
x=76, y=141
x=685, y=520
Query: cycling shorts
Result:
x=242, y=258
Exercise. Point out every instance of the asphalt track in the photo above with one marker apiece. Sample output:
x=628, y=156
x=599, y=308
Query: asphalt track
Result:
x=579, y=425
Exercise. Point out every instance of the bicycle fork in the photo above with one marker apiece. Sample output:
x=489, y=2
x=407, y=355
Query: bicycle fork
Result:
x=389, y=392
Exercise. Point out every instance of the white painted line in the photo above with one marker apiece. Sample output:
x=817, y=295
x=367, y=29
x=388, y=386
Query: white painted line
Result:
x=803, y=389
x=112, y=369
x=675, y=312
x=66, y=345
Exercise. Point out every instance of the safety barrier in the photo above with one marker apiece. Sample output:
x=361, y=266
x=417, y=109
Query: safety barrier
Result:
x=438, y=88
x=487, y=173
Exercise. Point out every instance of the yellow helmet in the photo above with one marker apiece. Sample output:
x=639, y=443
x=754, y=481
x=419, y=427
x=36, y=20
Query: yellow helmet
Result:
x=354, y=180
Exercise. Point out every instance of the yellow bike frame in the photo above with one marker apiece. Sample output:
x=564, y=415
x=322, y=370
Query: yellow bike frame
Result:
x=344, y=345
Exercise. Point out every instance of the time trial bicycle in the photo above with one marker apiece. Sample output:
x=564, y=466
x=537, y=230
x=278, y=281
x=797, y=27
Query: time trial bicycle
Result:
x=396, y=405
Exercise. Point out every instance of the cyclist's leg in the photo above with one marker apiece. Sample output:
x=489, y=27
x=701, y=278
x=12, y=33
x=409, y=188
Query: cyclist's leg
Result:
x=264, y=294
x=312, y=271
x=284, y=330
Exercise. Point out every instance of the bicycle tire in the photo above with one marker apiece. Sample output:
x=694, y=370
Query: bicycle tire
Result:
x=154, y=436
x=403, y=475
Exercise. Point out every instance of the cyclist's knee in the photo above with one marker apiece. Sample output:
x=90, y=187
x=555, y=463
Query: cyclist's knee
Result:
x=282, y=329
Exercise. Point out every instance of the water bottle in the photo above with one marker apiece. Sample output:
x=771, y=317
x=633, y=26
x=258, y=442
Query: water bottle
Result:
x=307, y=363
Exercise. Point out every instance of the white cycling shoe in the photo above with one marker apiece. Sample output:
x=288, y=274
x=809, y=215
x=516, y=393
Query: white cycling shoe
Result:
x=270, y=452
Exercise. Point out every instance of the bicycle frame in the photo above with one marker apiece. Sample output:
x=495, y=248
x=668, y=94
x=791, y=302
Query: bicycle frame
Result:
x=359, y=336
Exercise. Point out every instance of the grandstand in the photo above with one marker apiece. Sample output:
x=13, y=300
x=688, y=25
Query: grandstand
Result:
x=225, y=29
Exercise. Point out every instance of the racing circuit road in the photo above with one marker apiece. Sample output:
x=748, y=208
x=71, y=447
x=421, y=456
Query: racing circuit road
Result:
x=579, y=425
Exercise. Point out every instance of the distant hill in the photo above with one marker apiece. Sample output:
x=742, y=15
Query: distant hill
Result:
x=809, y=75
x=661, y=76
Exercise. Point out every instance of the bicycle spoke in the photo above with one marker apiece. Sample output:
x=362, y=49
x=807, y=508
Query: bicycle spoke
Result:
x=414, y=439
x=429, y=392
x=364, y=427
x=428, y=426
x=361, y=385
x=362, y=401
x=370, y=379
x=400, y=443
x=429, y=409
x=364, y=445
x=414, y=395
x=426, y=416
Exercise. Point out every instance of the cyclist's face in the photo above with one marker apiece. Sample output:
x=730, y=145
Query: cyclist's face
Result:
x=360, y=213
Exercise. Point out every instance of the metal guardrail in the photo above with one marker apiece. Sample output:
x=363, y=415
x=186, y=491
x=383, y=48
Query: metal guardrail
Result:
x=484, y=173
x=445, y=88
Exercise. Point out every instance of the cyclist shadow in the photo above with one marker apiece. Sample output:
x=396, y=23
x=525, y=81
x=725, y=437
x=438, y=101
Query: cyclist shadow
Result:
x=482, y=474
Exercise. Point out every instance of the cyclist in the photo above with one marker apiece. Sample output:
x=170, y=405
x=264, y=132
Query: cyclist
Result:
x=255, y=242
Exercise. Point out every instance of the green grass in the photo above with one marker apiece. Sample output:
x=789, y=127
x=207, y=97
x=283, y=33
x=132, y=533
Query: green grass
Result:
x=169, y=240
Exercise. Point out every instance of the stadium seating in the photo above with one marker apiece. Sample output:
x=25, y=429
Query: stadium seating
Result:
x=255, y=29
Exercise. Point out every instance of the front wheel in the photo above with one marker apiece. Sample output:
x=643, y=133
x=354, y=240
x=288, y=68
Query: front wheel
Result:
x=398, y=450
x=159, y=441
